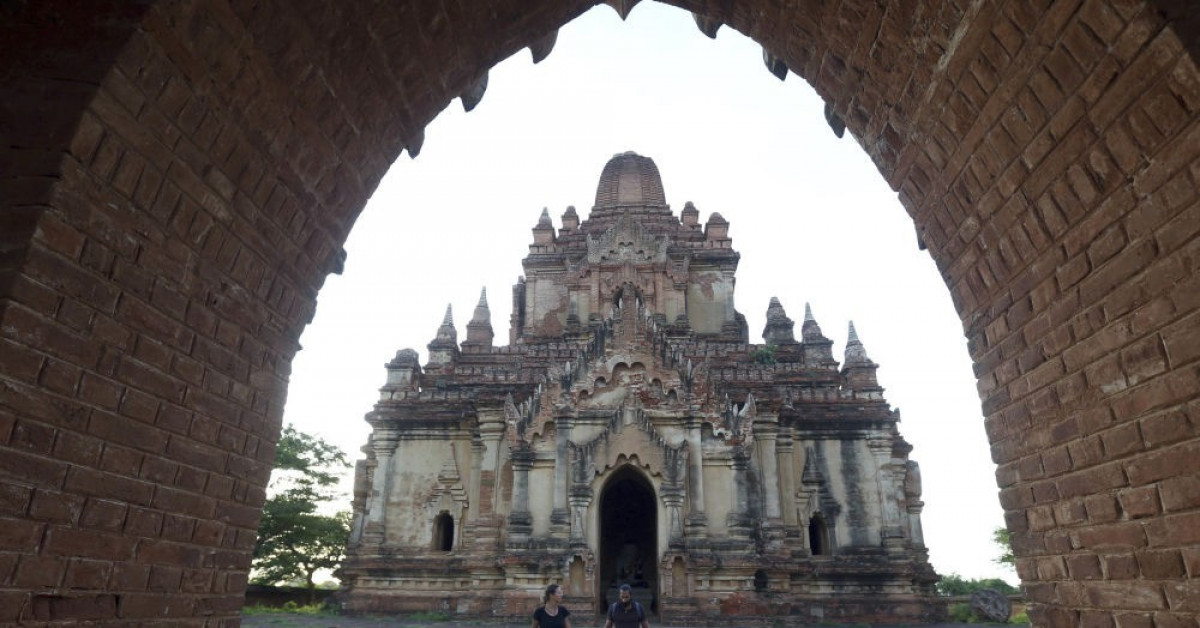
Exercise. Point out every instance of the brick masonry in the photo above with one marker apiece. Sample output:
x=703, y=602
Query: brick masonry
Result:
x=176, y=180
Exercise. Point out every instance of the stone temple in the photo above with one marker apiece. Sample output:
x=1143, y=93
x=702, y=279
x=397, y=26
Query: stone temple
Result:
x=630, y=433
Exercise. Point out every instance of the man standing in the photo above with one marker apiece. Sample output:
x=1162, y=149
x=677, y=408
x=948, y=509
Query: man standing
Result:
x=626, y=613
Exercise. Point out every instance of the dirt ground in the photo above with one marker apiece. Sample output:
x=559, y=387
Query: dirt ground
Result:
x=311, y=621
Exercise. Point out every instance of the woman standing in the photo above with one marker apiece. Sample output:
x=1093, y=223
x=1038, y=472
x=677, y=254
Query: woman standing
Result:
x=550, y=614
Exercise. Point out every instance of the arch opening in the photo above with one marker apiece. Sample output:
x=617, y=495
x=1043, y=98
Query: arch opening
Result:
x=977, y=289
x=628, y=538
x=818, y=536
x=443, y=532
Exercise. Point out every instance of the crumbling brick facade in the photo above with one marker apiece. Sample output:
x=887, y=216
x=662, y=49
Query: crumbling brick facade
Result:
x=178, y=179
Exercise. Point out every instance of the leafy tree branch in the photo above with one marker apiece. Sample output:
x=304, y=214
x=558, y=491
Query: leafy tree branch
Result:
x=295, y=540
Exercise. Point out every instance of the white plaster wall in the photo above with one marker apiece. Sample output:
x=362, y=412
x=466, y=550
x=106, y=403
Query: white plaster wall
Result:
x=718, y=496
x=546, y=304
x=706, y=301
x=416, y=465
x=584, y=304
x=541, y=495
x=869, y=500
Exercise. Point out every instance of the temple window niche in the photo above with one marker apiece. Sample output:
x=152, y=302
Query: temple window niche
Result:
x=627, y=435
x=443, y=532
x=818, y=536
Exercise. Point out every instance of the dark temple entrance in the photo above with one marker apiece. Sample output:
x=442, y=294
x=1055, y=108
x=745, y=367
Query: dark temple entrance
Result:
x=628, y=533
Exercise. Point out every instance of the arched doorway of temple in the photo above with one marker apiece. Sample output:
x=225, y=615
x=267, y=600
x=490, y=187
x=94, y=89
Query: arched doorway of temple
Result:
x=628, y=538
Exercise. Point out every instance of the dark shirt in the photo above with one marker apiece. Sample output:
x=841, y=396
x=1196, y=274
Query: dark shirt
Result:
x=547, y=621
x=626, y=617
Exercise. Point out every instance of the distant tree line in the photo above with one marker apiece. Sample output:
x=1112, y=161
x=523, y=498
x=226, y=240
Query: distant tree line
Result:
x=954, y=585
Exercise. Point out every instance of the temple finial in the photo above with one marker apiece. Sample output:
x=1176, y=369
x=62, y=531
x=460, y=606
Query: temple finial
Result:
x=779, y=327
x=856, y=354
x=479, y=330
x=444, y=348
x=810, y=330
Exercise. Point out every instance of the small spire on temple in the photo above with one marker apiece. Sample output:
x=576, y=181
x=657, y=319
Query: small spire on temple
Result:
x=543, y=232
x=855, y=352
x=717, y=228
x=690, y=216
x=779, y=327
x=479, y=330
x=446, y=334
x=859, y=370
x=482, y=302
x=570, y=219
x=404, y=371
x=818, y=350
x=444, y=347
x=810, y=330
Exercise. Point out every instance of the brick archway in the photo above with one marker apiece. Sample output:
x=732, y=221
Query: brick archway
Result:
x=178, y=179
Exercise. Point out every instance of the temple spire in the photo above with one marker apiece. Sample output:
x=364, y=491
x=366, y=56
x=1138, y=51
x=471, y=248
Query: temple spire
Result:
x=444, y=347
x=818, y=350
x=855, y=352
x=543, y=232
x=446, y=334
x=858, y=369
x=570, y=219
x=479, y=330
x=809, y=329
x=403, y=372
x=779, y=327
x=481, y=308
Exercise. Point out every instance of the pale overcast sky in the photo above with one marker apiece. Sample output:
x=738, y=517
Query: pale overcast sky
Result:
x=811, y=216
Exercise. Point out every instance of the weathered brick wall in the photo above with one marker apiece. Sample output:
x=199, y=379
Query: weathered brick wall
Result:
x=177, y=180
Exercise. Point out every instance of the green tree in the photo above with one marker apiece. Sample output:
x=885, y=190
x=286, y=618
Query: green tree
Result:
x=295, y=540
x=954, y=585
x=1002, y=538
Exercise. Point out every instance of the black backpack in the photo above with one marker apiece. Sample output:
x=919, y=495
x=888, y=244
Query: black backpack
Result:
x=636, y=605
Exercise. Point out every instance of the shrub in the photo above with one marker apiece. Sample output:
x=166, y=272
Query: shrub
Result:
x=290, y=608
x=764, y=354
x=962, y=613
x=953, y=584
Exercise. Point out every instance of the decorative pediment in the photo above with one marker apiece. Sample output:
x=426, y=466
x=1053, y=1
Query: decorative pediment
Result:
x=737, y=420
x=627, y=241
x=629, y=442
x=448, y=494
x=520, y=417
